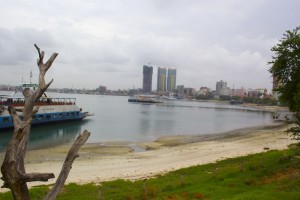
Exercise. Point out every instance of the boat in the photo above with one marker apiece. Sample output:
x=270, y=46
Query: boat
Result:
x=169, y=98
x=51, y=110
x=144, y=99
x=234, y=102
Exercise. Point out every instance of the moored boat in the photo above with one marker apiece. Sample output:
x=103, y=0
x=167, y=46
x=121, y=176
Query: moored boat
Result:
x=144, y=99
x=234, y=102
x=51, y=110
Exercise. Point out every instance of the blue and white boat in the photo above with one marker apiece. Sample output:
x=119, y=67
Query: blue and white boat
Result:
x=51, y=110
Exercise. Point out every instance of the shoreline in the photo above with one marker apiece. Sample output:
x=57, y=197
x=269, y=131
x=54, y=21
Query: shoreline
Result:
x=100, y=162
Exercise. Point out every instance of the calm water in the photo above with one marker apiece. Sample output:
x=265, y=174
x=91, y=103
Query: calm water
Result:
x=116, y=119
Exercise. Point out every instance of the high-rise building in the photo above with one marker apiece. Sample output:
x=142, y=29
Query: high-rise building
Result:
x=171, y=81
x=161, y=79
x=221, y=88
x=147, y=78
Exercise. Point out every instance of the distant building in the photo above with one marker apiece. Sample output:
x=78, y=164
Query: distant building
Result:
x=180, y=90
x=171, y=81
x=219, y=86
x=239, y=92
x=102, y=89
x=161, y=79
x=189, y=92
x=132, y=92
x=257, y=93
x=147, y=78
x=222, y=89
x=203, y=91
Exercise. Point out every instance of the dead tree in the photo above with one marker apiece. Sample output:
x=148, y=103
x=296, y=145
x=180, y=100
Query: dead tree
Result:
x=13, y=170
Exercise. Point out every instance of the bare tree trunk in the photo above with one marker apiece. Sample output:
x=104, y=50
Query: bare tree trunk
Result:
x=13, y=170
x=73, y=153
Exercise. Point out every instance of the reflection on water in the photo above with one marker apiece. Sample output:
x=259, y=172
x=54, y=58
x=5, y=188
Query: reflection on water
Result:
x=47, y=136
x=116, y=119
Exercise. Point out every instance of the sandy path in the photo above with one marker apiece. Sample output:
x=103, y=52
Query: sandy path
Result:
x=101, y=163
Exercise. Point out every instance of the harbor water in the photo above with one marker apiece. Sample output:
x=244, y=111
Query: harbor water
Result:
x=116, y=119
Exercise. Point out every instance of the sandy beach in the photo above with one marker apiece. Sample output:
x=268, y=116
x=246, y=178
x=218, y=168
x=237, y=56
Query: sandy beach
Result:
x=125, y=160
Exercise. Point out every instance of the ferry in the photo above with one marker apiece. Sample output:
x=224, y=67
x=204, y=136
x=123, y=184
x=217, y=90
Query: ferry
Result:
x=51, y=110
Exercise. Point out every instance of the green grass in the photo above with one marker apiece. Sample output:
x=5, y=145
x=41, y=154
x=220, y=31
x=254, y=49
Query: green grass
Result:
x=269, y=175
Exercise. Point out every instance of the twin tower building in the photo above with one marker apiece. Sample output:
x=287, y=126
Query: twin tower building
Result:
x=166, y=79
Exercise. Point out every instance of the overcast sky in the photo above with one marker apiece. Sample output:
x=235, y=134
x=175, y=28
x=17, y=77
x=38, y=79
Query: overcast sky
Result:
x=108, y=42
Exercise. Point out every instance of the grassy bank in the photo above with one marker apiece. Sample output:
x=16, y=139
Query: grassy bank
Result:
x=269, y=175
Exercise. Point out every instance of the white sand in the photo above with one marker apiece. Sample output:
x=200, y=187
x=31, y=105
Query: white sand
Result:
x=97, y=163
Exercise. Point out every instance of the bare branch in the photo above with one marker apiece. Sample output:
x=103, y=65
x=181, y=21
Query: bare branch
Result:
x=38, y=49
x=19, y=109
x=46, y=86
x=35, y=110
x=41, y=55
x=72, y=155
x=41, y=90
x=15, y=116
x=19, y=134
x=37, y=177
x=50, y=61
x=27, y=93
x=5, y=185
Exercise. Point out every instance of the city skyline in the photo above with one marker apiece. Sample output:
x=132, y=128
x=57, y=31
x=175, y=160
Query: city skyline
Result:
x=106, y=42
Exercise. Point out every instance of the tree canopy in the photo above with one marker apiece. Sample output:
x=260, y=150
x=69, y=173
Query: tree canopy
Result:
x=286, y=73
x=286, y=69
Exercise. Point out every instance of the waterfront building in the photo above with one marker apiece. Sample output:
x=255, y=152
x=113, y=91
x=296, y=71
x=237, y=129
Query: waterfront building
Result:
x=222, y=89
x=254, y=93
x=203, y=91
x=102, y=89
x=180, y=90
x=171, y=81
x=189, y=92
x=161, y=79
x=221, y=84
x=258, y=93
x=147, y=78
x=242, y=92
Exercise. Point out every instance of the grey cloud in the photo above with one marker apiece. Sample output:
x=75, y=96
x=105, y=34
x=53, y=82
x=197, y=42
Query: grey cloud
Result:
x=109, y=41
x=16, y=45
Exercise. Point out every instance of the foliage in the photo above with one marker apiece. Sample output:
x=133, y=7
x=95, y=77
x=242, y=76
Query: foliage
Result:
x=272, y=102
x=203, y=97
x=273, y=174
x=286, y=68
x=296, y=129
x=208, y=96
x=286, y=72
x=261, y=101
x=228, y=98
